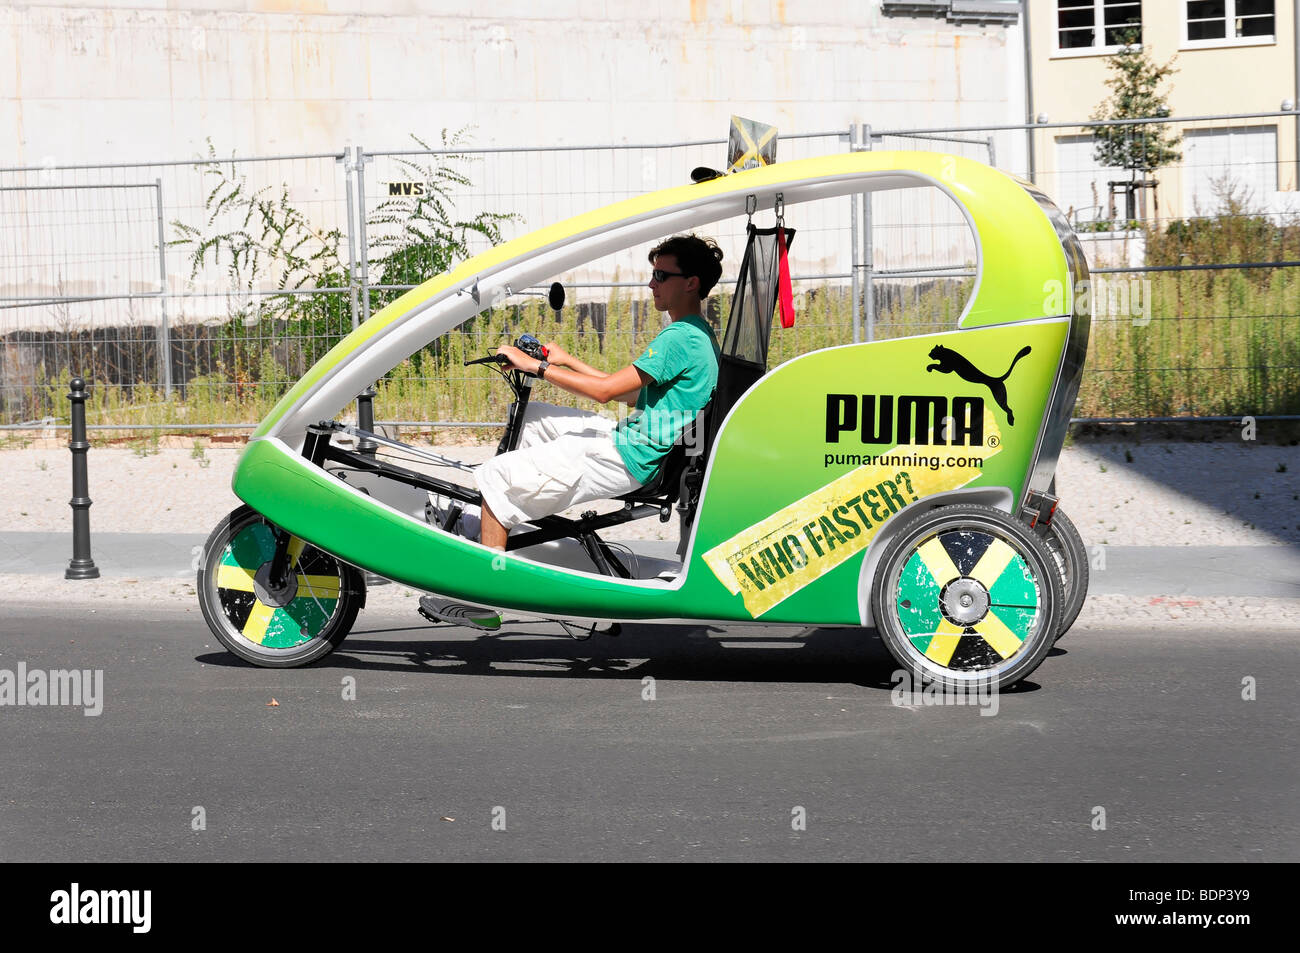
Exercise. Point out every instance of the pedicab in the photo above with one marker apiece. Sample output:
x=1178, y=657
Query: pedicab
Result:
x=905, y=485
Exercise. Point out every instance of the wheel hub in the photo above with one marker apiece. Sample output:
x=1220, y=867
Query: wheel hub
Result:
x=273, y=595
x=964, y=601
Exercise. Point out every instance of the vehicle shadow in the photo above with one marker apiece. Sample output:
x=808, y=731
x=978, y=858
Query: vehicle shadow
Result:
x=539, y=649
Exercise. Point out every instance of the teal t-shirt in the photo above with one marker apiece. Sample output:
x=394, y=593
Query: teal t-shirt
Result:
x=683, y=362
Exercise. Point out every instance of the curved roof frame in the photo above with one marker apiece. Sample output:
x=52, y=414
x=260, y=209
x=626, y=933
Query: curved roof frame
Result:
x=1018, y=256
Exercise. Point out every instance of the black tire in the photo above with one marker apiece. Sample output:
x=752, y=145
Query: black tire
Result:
x=997, y=616
x=1071, y=556
x=323, y=602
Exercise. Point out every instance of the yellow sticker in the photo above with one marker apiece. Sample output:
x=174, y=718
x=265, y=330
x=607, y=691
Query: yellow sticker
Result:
x=772, y=560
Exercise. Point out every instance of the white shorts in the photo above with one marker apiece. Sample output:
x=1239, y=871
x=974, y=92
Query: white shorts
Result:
x=565, y=457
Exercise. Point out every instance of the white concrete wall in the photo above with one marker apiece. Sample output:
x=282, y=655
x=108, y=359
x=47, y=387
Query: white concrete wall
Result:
x=153, y=80
x=102, y=81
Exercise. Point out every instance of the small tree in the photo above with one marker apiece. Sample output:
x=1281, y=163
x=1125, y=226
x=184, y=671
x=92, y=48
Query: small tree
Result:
x=1135, y=94
x=420, y=236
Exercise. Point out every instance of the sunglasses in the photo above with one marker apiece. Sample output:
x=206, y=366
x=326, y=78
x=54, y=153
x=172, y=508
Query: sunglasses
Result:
x=661, y=276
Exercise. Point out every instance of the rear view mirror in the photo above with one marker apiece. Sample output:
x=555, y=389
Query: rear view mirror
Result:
x=556, y=296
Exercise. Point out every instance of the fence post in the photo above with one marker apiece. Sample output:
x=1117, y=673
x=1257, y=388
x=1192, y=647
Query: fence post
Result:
x=1029, y=90
x=349, y=167
x=82, y=566
x=855, y=289
x=364, y=249
x=164, y=332
x=868, y=252
x=365, y=400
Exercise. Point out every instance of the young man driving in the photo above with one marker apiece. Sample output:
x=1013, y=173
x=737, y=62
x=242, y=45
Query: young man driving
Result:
x=568, y=456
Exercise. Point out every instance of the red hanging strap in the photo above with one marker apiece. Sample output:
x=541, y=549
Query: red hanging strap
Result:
x=784, y=294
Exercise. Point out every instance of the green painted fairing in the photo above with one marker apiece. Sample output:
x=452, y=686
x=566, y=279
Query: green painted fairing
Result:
x=772, y=452
x=310, y=503
x=1022, y=260
x=769, y=457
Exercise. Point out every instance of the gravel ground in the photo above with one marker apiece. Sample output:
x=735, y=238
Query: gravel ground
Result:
x=1119, y=494
x=1182, y=494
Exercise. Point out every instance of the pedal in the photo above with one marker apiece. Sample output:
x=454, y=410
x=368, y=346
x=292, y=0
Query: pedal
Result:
x=438, y=610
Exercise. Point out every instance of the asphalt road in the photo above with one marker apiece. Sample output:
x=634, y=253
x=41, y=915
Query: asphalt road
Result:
x=553, y=740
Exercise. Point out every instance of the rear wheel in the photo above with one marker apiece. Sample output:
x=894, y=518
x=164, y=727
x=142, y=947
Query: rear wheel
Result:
x=1071, y=557
x=967, y=596
x=301, y=619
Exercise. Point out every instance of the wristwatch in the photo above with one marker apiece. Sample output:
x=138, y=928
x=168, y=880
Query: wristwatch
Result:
x=541, y=369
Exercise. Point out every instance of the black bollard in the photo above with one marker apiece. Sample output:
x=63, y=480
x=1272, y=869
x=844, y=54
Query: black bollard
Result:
x=81, y=566
x=366, y=419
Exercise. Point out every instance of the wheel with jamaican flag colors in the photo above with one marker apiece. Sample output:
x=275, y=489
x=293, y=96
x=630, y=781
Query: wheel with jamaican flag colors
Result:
x=275, y=619
x=966, y=596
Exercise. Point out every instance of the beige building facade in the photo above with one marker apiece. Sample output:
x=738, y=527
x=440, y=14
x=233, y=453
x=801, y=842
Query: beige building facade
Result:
x=1231, y=57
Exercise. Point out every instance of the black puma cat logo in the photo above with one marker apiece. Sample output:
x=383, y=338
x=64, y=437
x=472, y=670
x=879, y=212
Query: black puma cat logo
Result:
x=950, y=361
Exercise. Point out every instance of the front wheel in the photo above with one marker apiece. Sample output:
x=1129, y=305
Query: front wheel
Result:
x=299, y=620
x=967, y=597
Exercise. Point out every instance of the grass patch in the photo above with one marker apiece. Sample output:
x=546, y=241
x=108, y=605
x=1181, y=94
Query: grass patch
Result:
x=1217, y=343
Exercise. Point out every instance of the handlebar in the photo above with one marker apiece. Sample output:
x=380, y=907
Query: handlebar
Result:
x=526, y=343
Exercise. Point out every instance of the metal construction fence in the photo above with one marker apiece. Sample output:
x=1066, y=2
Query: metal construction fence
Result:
x=191, y=293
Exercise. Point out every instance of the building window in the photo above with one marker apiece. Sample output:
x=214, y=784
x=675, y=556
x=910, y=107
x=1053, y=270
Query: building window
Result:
x=1096, y=26
x=1082, y=187
x=1239, y=161
x=1228, y=22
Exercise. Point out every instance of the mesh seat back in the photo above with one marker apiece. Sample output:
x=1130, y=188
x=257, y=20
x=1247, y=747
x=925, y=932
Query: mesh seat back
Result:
x=749, y=326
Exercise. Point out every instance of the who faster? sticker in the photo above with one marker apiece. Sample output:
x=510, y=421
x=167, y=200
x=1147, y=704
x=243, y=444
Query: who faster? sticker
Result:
x=772, y=560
